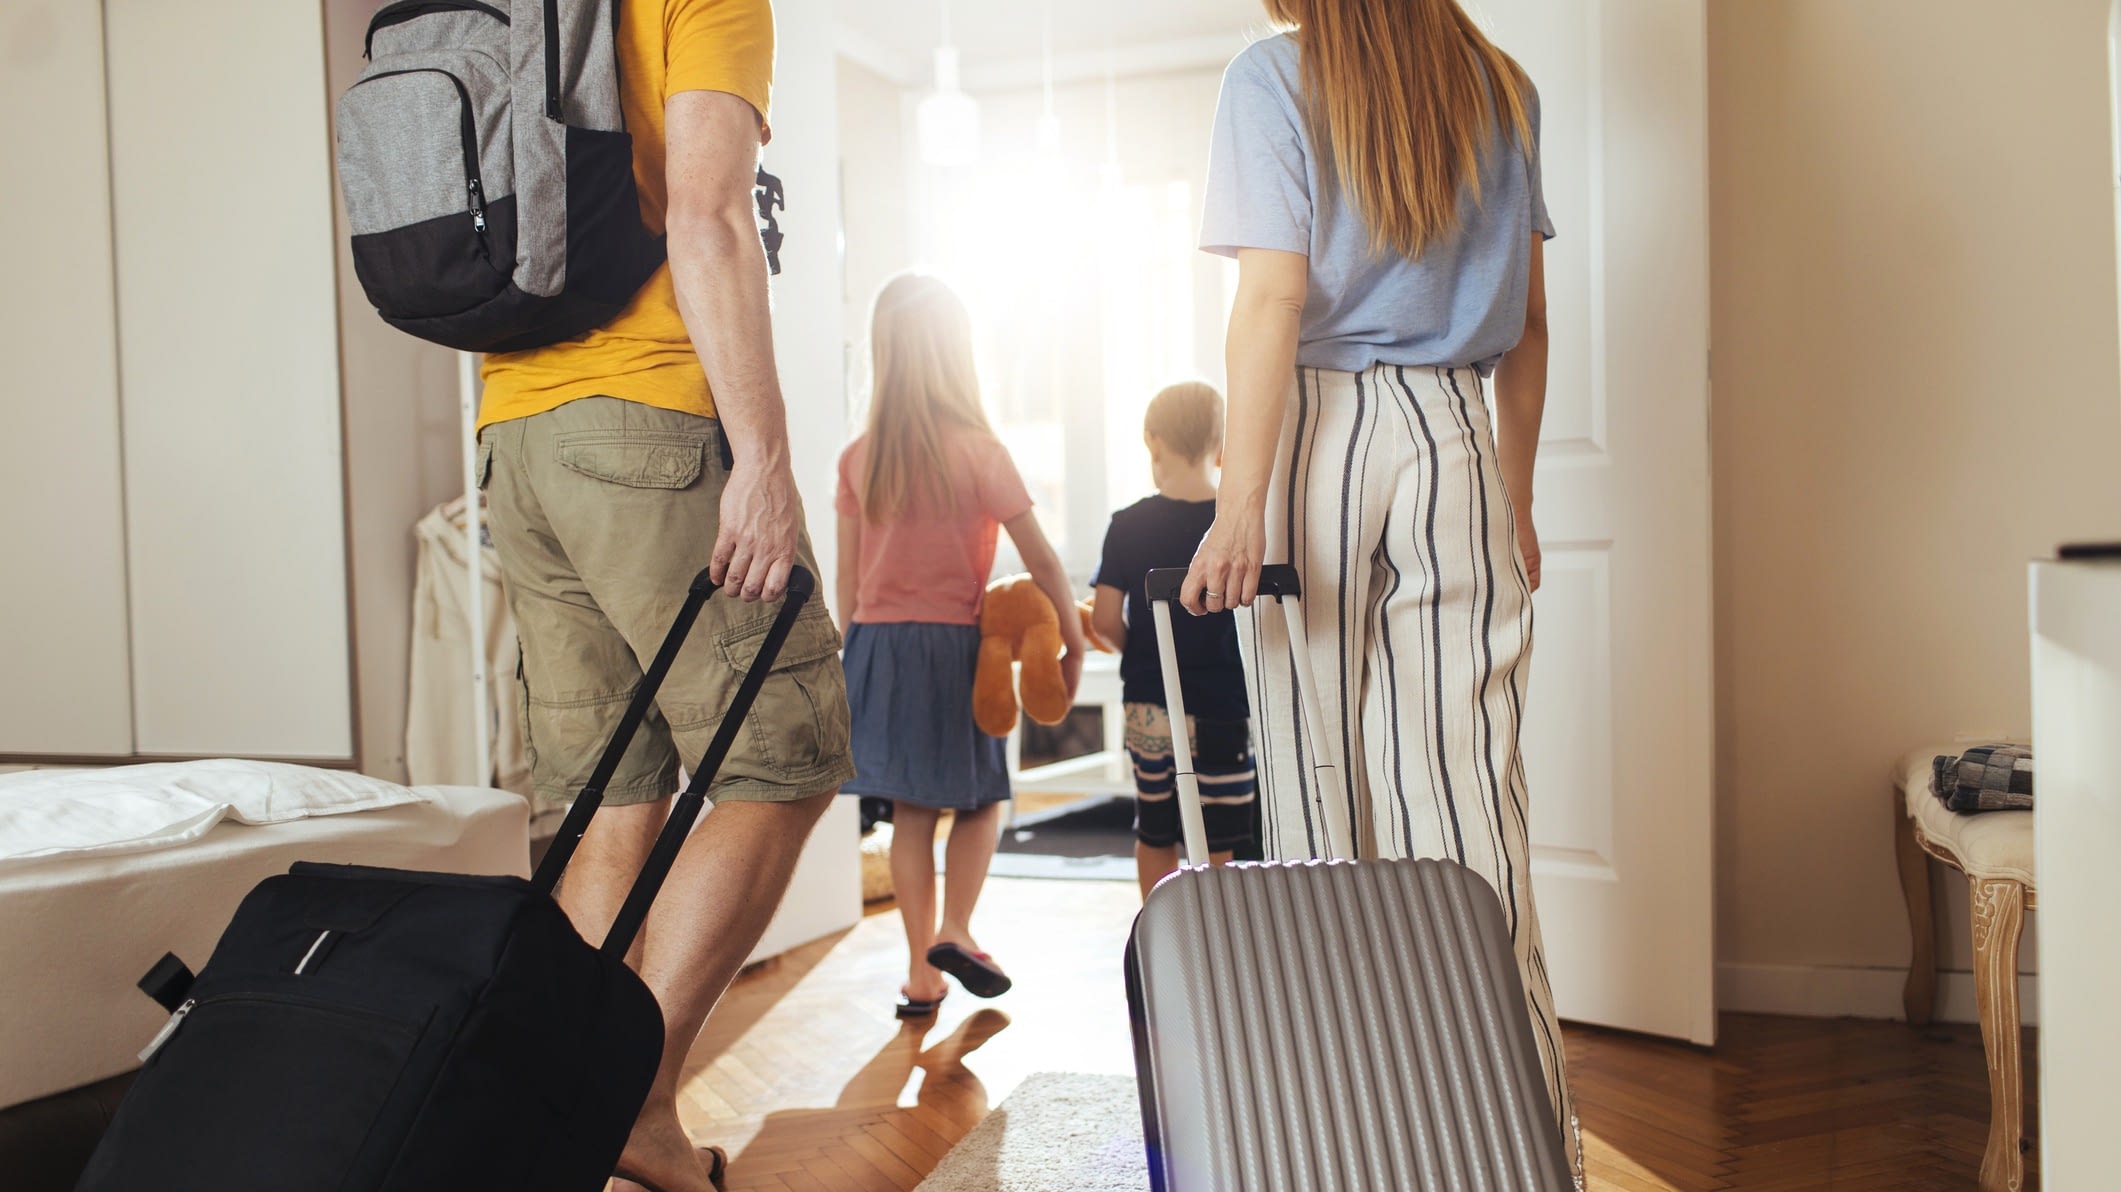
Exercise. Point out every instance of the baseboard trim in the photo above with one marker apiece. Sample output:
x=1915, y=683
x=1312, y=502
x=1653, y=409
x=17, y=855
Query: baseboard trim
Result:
x=1835, y=991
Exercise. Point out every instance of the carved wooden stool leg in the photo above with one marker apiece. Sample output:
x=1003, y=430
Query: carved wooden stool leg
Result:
x=1920, y=995
x=1999, y=918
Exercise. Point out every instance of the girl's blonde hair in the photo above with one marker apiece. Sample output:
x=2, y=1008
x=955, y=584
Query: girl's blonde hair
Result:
x=924, y=385
x=1399, y=92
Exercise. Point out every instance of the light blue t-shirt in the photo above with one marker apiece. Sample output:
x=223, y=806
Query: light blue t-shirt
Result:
x=1461, y=305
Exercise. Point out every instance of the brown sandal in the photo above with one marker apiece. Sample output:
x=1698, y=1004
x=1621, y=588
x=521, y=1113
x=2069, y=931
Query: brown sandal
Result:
x=717, y=1170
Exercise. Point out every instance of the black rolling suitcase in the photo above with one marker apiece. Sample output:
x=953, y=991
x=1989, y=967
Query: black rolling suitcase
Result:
x=370, y=1030
x=1332, y=1026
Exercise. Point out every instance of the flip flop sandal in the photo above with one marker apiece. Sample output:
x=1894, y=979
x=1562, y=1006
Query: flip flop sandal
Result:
x=976, y=971
x=717, y=1170
x=911, y=1008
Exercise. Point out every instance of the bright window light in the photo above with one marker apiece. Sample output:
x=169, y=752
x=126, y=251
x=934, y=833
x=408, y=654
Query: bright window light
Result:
x=948, y=118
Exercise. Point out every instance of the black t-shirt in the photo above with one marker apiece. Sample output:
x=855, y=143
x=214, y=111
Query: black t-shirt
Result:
x=1160, y=532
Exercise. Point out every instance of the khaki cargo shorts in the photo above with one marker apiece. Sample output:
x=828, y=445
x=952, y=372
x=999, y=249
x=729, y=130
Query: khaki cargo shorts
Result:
x=602, y=512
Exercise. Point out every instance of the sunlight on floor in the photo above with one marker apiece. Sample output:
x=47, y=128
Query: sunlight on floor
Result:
x=1608, y=1168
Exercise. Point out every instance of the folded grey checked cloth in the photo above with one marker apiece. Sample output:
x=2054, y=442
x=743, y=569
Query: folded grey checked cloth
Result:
x=1985, y=778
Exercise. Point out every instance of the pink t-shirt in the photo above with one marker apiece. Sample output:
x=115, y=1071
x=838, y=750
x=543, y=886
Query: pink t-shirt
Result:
x=928, y=566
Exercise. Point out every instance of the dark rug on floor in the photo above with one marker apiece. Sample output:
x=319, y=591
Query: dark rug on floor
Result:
x=1092, y=839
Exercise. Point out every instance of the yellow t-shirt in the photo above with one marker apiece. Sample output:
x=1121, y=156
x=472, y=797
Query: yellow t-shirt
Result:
x=645, y=353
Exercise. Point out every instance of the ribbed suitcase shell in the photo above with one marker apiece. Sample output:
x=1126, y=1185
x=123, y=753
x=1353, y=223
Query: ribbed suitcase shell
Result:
x=1336, y=1027
x=1329, y=1026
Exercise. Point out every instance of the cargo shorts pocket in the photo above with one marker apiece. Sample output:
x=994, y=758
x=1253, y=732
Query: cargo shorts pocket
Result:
x=634, y=458
x=799, y=725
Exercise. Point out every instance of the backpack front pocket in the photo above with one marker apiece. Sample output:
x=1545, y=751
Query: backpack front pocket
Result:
x=309, y=1075
x=425, y=163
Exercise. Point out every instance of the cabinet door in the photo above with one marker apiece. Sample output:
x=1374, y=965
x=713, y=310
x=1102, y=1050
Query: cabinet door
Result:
x=227, y=316
x=64, y=686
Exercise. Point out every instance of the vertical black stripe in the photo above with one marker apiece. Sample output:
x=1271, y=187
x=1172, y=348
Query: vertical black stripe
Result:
x=1399, y=777
x=1526, y=617
x=1299, y=458
x=1345, y=642
x=1557, y=1085
x=1368, y=802
x=1373, y=609
x=1484, y=559
x=1263, y=742
x=1450, y=798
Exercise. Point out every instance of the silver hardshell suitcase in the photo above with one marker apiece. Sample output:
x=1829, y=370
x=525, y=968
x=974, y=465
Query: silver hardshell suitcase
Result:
x=1328, y=1025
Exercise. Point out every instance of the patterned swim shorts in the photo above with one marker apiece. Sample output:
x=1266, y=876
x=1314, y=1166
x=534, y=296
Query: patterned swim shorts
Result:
x=1222, y=759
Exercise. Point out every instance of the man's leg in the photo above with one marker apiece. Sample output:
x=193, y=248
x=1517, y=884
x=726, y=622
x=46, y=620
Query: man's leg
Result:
x=720, y=895
x=631, y=494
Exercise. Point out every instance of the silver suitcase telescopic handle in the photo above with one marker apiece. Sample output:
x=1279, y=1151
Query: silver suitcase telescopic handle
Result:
x=1329, y=804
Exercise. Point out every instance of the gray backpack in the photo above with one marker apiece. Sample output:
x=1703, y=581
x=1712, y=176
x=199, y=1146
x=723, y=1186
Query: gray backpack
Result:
x=488, y=173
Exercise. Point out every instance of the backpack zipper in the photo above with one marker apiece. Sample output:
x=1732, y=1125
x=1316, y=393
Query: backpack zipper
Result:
x=552, y=58
x=467, y=131
x=406, y=10
x=169, y=1028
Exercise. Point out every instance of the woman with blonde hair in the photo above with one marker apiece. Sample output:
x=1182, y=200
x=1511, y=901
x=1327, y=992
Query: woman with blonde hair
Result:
x=1375, y=171
x=923, y=494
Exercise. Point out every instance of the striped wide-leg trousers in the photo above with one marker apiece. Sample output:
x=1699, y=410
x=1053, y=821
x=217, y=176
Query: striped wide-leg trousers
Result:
x=1388, y=497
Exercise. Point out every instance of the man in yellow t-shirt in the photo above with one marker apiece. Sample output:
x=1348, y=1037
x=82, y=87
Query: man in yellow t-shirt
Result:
x=616, y=466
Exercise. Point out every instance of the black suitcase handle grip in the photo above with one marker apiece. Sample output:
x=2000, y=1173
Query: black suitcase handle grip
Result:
x=801, y=586
x=1275, y=579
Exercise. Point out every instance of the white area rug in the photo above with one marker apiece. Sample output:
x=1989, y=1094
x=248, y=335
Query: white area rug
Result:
x=1058, y=1132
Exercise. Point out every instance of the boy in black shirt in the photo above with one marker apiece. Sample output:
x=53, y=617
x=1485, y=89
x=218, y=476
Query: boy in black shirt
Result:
x=1184, y=433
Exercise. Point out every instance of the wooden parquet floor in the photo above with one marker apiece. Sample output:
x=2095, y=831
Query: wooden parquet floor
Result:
x=810, y=1082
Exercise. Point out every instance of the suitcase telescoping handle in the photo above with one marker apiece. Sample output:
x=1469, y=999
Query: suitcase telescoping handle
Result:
x=801, y=586
x=1277, y=582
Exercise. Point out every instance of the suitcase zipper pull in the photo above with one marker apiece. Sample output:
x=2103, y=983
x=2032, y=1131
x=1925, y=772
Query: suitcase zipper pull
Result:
x=168, y=1028
x=312, y=953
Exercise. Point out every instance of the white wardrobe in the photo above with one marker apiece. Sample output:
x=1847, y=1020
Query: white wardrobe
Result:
x=211, y=452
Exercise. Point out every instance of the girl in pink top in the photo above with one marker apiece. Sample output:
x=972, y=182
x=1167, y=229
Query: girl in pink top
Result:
x=923, y=494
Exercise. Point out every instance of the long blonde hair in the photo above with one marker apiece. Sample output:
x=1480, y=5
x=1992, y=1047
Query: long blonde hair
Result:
x=1399, y=91
x=924, y=385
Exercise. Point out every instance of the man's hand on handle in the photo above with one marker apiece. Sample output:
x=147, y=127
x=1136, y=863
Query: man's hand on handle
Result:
x=762, y=520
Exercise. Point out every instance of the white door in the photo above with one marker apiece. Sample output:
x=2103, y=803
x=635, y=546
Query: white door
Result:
x=1620, y=711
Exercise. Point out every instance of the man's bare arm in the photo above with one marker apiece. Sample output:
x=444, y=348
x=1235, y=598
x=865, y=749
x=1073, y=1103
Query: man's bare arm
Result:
x=719, y=268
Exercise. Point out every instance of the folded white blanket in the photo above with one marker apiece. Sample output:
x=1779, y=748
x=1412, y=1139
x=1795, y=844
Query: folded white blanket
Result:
x=130, y=809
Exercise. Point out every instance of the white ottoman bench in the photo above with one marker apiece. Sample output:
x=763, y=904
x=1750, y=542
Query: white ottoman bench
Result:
x=1995, y=851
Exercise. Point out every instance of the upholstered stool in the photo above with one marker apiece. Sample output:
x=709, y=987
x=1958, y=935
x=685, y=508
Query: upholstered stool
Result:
x=1995, y=851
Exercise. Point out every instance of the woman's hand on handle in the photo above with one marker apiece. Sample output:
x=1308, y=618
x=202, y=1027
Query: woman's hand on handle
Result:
x=1225, y=570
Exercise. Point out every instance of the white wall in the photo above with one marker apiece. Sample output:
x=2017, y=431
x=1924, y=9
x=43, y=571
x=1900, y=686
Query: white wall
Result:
x=877, y=203
x=808, y=310
x=1915, y=392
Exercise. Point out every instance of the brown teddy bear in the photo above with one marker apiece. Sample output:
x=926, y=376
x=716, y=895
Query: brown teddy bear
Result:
x=1017, y=624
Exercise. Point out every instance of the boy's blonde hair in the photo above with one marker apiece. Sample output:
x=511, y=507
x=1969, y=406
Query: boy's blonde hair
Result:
x=1188, y=418
x=921, y=339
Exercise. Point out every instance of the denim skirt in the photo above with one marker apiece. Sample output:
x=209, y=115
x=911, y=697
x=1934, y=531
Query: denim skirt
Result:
x=909, y=687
